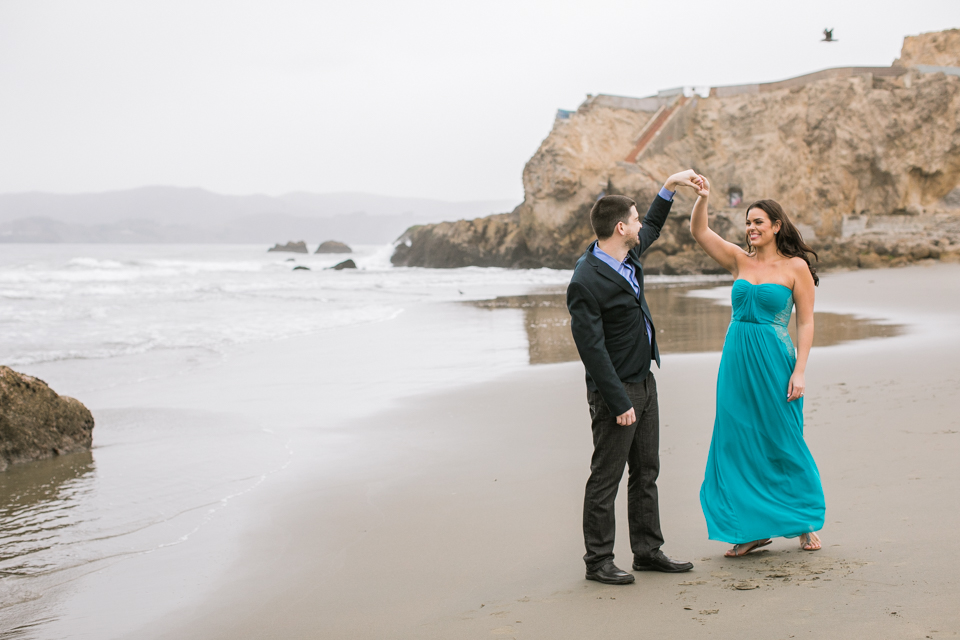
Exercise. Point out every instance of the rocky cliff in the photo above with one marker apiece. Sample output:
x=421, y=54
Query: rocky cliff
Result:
x=37, y=423
x=939, y=49
x=866, y=160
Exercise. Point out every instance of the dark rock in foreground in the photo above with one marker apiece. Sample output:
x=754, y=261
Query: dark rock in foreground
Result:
x=37, y=423
x=300, y=267
x=332, y=246
x=346, y=264
x=294, y=247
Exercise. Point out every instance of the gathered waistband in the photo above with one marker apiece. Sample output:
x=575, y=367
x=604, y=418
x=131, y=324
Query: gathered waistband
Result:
x=762, y=324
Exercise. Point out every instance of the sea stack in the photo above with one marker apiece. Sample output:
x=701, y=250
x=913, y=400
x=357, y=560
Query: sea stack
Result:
x=36, y=423
x=332, y=246
x=293, y=247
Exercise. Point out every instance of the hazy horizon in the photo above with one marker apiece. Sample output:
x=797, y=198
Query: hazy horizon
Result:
x=257, y=194
x=176, y=214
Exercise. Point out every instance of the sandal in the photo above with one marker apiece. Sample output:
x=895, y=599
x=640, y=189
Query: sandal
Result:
x=749, y=546
x=807, y=540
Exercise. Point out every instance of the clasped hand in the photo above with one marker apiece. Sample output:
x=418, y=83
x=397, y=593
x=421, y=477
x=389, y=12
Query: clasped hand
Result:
x=688, y=178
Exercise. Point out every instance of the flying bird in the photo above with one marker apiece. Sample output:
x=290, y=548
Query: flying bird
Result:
x=828, y=36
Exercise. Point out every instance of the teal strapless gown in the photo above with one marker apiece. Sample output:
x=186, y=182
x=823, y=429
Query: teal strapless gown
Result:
x=761, y=481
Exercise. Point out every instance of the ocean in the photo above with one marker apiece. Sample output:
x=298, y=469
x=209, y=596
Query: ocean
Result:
x=100, y=301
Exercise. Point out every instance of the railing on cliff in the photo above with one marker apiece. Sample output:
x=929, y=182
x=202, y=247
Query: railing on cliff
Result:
x=799, y=81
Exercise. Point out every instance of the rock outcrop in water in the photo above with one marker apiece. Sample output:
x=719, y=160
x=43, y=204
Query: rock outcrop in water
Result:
x=332, y=246
x=37, y=423
x=866, y=160
x=293, y=247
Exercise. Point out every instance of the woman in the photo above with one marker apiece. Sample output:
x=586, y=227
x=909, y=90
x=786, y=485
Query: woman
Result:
x=761, y=481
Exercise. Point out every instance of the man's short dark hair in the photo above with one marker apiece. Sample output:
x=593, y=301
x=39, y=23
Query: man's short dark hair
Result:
x=607, y=212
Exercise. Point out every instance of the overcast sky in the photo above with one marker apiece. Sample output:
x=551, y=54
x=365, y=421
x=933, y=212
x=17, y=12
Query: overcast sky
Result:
x=439, y=99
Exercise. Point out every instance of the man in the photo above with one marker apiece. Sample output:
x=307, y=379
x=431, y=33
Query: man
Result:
x=616, y=338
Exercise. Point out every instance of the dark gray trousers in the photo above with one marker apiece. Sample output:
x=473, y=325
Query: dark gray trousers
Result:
x=638, y=447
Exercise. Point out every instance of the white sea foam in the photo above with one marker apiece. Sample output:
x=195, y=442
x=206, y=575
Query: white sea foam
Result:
x=94, y=263
x=100, y=301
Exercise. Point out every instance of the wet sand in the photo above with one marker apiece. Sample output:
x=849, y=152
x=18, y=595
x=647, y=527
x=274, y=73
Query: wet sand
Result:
x=691, y=318
x=459, y=515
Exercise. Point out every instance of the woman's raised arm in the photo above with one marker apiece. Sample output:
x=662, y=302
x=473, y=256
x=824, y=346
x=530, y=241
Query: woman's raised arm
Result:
x=725, y=253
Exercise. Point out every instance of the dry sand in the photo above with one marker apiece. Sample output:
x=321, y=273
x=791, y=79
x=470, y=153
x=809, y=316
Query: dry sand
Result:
x=462, y=520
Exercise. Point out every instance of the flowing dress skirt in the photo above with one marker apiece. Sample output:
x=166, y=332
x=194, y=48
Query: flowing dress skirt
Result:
x=761, y=480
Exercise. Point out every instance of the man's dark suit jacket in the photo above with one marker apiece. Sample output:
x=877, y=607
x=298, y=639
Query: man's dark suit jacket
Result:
x=607, y=318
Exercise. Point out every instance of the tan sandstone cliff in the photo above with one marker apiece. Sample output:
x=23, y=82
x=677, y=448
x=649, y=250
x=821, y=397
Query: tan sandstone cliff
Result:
x=866, y=160
x=940, y=49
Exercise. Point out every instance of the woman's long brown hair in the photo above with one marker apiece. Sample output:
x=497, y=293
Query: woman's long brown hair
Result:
x=790, y=243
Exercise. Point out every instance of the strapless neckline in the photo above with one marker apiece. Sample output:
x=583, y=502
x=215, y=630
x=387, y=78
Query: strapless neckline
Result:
x=763, y=284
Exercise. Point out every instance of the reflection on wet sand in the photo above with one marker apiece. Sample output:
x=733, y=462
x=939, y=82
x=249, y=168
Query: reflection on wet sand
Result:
x=685, y=324
x=38, y=502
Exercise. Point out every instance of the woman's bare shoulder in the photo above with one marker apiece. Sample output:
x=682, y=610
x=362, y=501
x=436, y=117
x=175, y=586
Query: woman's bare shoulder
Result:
x=741, y=259
x=799, y=269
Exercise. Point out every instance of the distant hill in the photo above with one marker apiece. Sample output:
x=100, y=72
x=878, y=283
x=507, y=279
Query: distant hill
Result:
x=172, y=214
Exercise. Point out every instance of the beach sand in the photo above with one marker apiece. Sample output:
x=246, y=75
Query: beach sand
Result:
x=458, y=515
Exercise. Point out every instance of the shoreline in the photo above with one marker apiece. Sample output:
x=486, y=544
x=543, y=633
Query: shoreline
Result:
x=464, y=520
x=202, y=433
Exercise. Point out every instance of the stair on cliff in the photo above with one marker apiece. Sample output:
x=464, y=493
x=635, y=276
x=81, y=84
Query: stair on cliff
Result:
x=654, y=126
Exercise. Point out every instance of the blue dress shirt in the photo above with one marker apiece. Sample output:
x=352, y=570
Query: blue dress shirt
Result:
x=629, y=273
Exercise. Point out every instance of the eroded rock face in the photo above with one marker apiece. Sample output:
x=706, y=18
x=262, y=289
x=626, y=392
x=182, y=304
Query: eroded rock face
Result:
x=484, y=242
x=938, y=49
x=332, y=246
x=37, y=423
x=294, y=247
x=867, y=165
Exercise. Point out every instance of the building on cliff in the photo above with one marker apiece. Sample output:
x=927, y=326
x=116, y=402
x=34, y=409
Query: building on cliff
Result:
x=865, y=159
